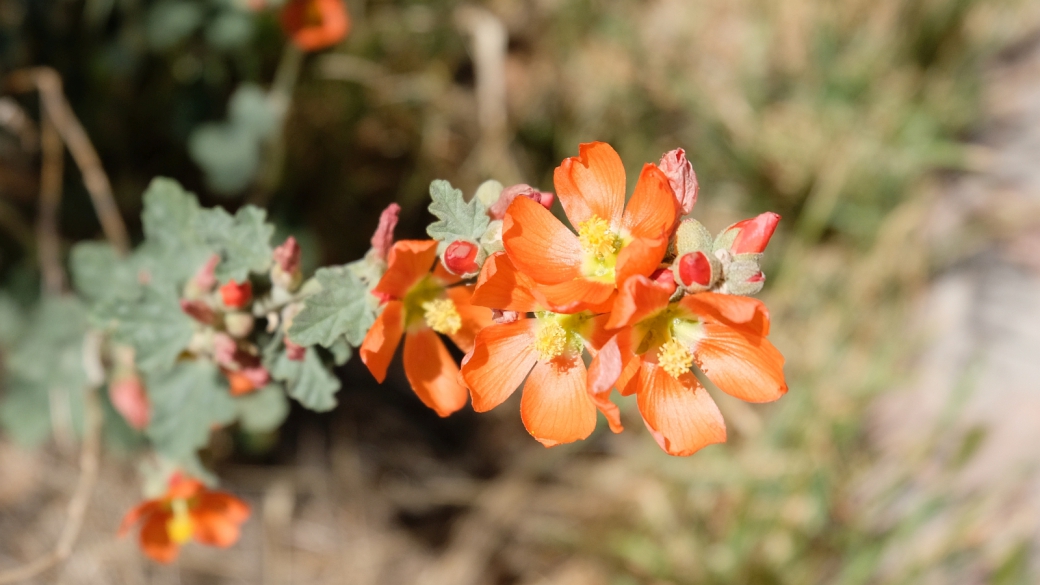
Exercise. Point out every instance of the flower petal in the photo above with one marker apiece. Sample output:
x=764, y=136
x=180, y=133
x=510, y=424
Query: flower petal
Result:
x=233, y=508
x=682, y=415
x=638, y=299
x=538, y=244
x=743, y=313
x=501, y=286
x=155, y=540
x=556, y=407
x=502, y=357
x=575, y=296
x=592, y=184
x=651, y=211
x=382, y=339
x=640, y=257
x=603, y=373
x=473, y=318
x=432, y=372
x=741, y=365
x=213, y=528
x=142, y=510
x=408, y=262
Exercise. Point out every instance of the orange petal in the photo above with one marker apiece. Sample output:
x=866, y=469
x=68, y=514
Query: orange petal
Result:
x=155, y=540
x=592, y=184
x=628, y=381
x=640, y=257
x=538, y=244
x=741, y=365
x=743, y=313
x=556, y=407
x=432, y=372
x=227, y=505
x=382, y=339
x=603, y=373
x=638, y=299
x=408, y=262
x=142, y=510
x=213, y=528
x=501, y=286
x=651, y=210
x=501, y=359
x=596, y=333
x=575, y=296
x=682, y=415
x=473, y=318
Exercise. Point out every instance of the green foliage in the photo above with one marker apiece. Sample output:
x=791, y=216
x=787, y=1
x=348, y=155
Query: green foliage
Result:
x=262, y=410
x=343, y=308
x=227, y=153
x=187, y=402
x=243, y=241
x=153, y=324
x=308, y=381
x=12, y=323
x=172, y=251
x=457, y=218
x=98, y=273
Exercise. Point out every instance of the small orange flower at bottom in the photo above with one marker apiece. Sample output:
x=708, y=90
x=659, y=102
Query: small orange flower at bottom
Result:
x=188, y=511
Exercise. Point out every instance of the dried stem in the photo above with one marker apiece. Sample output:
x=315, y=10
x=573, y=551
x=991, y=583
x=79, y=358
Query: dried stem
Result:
x=51, y=178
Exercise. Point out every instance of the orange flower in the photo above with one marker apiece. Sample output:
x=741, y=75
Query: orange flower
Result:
x=613, y=243
x=315, y=24
x=657, y=344
x=419, y=305
x=187, y=511
x=556, y=406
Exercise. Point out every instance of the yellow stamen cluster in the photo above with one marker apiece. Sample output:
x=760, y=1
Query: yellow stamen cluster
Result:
x=597, y=239
x=551, y=340
x=180, y=527
x=442, y=316
x=675, y=358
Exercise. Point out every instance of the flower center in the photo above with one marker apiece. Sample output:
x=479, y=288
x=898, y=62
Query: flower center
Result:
x=550, y=341
x=559, y=334
x=442, y=316
x=180, y=527
x=675, y=358
x=601, y=247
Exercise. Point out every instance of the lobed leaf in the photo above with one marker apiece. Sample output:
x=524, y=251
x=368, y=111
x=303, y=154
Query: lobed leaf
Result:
x=262, y=410
x=153, y=324
x=243, y=240
x=308, y=381
x=457, y=218
x=187, y=402
x=343, y=308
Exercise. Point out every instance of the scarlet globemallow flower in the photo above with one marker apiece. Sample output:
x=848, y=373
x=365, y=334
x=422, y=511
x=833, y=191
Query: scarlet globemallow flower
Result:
x=658, y=343
x=188, y=511
x=315, y=24
x=613, y=243
x=546, y=349
x=418, y=304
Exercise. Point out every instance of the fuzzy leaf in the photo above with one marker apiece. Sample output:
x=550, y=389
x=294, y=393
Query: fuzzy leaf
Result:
x=457, y=219
x=172, y=250
x=342, y=308
x=308, y=381
x=153, y=324
x=262, y=410
x=99, y=273
x=187, y=402
x=243, y=241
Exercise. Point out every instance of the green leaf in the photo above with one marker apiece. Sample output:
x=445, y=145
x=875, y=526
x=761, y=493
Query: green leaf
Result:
x=153, y=324
x=243, y=241
x=250, y=110
x=172, y=251
x=12, y=320
x=186, y=403
x=228, y=154
x=342, y=308
x=308, y=381
x=99, y=273
x=263, y=410
x=341, y=352
x=25, y=412
x=457, y=219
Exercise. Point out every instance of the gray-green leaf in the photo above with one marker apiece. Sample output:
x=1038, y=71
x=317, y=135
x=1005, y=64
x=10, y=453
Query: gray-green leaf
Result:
x=457, y=219
x=243, y=241
x=153, y=324
x=98, y=272
x=343, y=307
x=262, y=410
x=308, y=381
x=186, y=403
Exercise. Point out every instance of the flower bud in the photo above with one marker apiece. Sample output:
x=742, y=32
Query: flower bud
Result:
x=488, y=192
x=224, y=349
x=204, y=280
x=239, y=382
x=130, y=400
x=286, y=270
x=500, y=316
x=750, y=236
x=237, y=296
x=696, y=271
x=681, y=177
x=692, y=236
x=664, y=277
x=239, y=324
x=294, y=351
x=199, y=311
x=498, y=210
x=383, y=239
x=743, y=277
x=491, y=240
x=460, y=257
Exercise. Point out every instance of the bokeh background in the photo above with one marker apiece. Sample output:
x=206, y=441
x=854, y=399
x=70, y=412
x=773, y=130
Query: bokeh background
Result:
x=899, y=140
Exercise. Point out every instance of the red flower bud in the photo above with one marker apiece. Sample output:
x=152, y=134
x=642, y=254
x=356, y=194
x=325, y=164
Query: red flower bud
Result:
x=752, y=235
x=258, y=375
x=315, y=24
x=287, y=256
x=460, y=257
x=130, y=400
x=237, y=295
x=383, y=239
x=695, y=269
x=681, y=177
x=205, y=279
x=498, y=209
x=664, y=277
x=199, y=311
x=293, y=351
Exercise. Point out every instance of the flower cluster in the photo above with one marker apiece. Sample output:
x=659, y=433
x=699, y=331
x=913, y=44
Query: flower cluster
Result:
x=632, y=299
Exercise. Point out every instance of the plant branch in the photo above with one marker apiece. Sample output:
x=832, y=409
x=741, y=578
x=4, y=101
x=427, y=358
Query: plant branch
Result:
x=51, y=178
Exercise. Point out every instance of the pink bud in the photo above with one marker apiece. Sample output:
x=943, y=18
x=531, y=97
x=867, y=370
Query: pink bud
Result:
x=460, y=257
x=224, y=349
x=753, y=235
x=199, y=311
x=237, y=295
x=695, y=269
x=287, y=256
x=499, y=316
x=206, y=278
x=130, y=400
x=681, y=177
x=498, y=209
x=293, y=351
x=258, y=375
x=383, y=239
x=664, y=277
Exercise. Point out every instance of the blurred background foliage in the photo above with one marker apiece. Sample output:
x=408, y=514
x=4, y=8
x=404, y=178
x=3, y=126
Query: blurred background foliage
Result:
x=837, y=115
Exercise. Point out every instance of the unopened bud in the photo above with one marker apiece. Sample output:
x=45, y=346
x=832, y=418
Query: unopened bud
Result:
x=199, y=311
x=696, y=271
x=692, y=236
x=491, y=240
x=239, y=324
x=286, y=270
x=664, y=277
x=293, y=351
x=235, y=295
x=224, y=349
x=498, y=210
x=383, y=239
x=239, y=383
x=460, y=258
x=743, y=277
x=204, y=279
x=750, y=236
x=499, y=316
x=488, y=192
x=681, y=178
x=130, y=400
